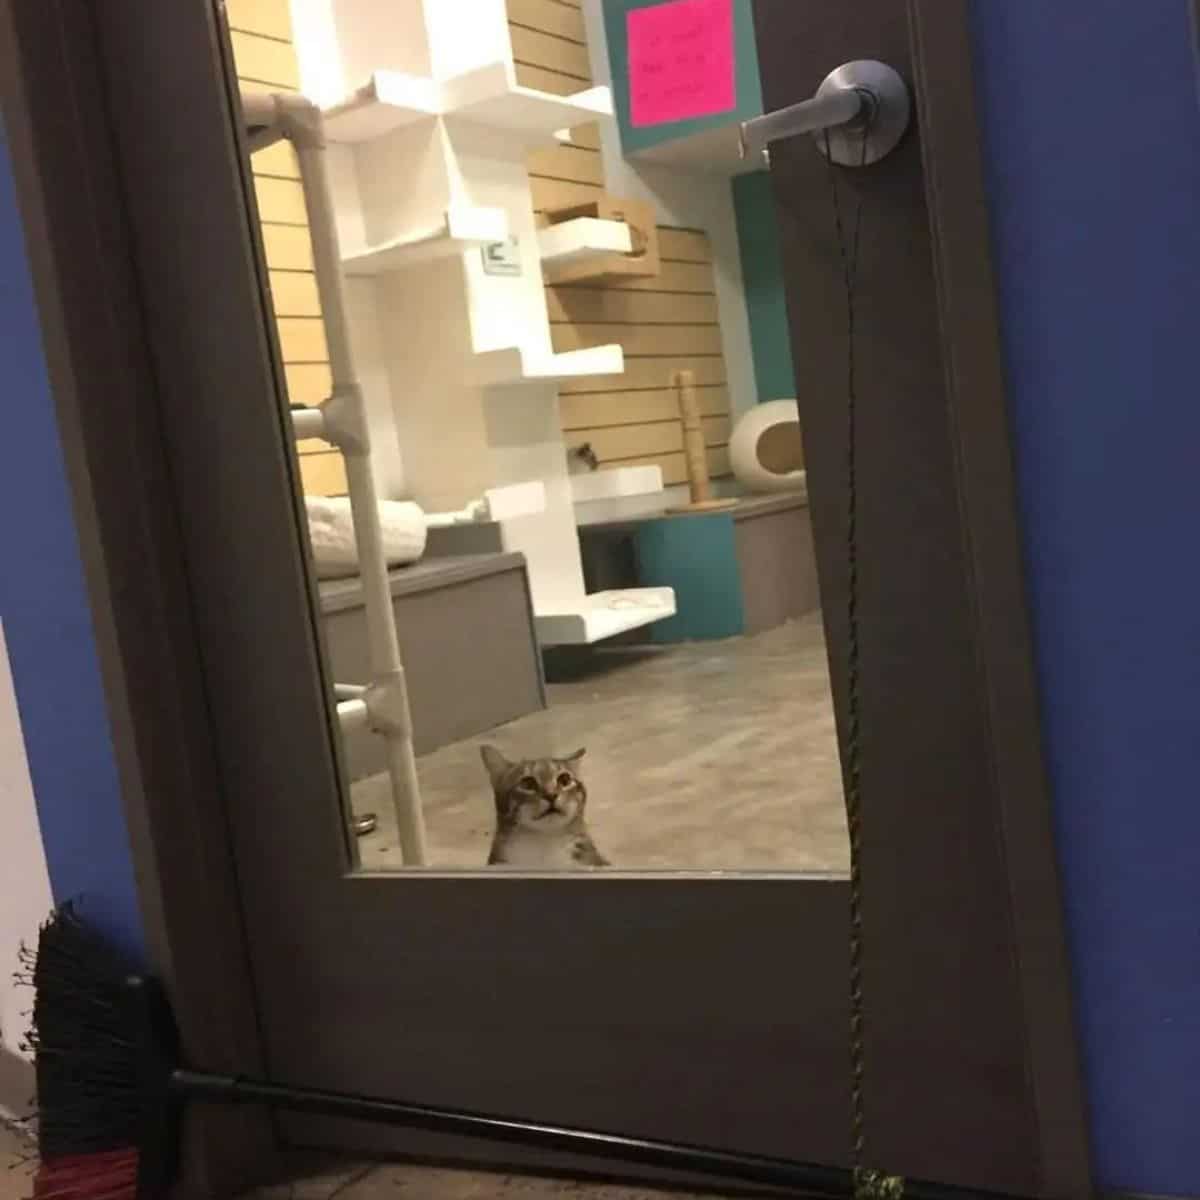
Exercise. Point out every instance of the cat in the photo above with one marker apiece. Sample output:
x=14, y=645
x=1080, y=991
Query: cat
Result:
x=540, y=806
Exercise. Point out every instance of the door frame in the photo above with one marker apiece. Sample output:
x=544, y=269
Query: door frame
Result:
x=153, y=309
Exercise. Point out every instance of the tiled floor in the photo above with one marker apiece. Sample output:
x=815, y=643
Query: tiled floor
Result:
x=713, y=755
x=325, y=1180
x=396, y=1181
x=16, y=1176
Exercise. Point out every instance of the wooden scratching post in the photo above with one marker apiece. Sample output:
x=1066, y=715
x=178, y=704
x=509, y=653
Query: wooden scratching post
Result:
x=694, y=452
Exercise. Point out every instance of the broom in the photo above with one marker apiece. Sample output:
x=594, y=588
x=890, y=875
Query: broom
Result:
x=111, y=1092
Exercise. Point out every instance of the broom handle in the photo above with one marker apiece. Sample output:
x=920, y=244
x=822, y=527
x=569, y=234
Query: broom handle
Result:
x=746, y=1168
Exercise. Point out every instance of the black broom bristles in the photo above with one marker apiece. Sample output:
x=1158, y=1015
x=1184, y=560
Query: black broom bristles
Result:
x=84, y=1039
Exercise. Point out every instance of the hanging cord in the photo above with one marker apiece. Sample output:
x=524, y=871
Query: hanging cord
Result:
x=869, y=1184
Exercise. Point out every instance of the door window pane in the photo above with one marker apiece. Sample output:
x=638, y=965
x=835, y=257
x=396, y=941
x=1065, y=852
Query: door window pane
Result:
x=585, y=454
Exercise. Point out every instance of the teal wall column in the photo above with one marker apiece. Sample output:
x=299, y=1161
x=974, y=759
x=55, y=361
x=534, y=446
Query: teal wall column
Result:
x=697, y=556
x=758, y=243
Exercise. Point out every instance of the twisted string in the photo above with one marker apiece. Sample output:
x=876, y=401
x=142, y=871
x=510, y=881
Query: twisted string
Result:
x=869, y=1184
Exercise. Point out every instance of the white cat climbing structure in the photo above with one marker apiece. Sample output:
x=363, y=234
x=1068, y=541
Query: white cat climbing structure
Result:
x=429, y=133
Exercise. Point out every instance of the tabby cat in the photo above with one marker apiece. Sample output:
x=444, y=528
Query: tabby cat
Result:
x=540, y=813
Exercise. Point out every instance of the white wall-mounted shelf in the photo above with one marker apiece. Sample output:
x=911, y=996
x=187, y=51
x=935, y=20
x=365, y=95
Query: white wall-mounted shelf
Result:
x=611, y=483
x=488, y=97
x=461, y=229
x=510, y=502
x=388, y=100
x=515, y=500
x=514, y=366
x=604, y=615
x=576, y=241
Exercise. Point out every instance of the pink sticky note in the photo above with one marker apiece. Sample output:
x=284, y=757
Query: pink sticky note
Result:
x=681, y=61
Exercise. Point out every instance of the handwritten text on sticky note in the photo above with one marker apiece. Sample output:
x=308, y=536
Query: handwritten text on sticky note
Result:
x=681, y=61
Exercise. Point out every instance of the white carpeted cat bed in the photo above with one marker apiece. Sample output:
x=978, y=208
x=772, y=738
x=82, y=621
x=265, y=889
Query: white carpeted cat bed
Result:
x=766, y=450
x=331, y=533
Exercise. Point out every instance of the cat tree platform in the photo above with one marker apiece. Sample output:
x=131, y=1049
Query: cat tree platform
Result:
x=428, y=136
x=460, y=685
x=744, y=570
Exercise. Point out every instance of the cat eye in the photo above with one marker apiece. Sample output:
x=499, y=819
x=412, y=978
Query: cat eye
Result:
x=528, y=784
x=565, y=779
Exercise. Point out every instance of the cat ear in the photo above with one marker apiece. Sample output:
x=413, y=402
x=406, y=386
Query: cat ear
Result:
x=572, y=760
x=495, y=762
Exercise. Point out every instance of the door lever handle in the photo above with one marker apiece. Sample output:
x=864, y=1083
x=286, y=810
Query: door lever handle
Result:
x=860, y=111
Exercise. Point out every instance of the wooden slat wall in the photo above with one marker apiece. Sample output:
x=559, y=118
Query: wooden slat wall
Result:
x=665, y=323
x=266, y=61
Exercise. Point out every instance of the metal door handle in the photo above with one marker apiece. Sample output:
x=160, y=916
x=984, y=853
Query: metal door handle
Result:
x=861, y=111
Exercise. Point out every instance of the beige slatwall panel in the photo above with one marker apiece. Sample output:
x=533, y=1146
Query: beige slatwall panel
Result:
x=634, y=417
x=550, y=52
x=665, y=323
x=266, y=61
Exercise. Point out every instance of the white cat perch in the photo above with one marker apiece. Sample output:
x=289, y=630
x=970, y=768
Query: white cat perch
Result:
x=429, y=134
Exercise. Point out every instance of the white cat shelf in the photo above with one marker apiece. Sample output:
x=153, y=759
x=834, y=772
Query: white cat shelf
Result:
x=429, y=133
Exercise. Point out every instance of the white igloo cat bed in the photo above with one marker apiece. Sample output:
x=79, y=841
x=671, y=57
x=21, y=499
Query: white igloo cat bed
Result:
x=331, y=534
x=766, y=451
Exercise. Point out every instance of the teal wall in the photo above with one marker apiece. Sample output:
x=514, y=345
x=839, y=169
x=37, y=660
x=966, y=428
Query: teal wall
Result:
x=749, y=90
x=758, y=242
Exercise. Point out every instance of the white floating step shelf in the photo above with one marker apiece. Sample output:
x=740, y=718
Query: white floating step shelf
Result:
x=490, y=96
x=388, y=100
x=508, y=502
x=604, y=615
x=583, y=238
x=515, y=500
x=514, y=366
x=612, y=483
x=460, y=229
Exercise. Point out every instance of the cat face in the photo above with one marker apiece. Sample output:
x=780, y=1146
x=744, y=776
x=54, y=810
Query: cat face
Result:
x=542, y=795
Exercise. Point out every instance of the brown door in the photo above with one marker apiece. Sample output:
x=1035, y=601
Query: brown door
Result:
x=710, y=1008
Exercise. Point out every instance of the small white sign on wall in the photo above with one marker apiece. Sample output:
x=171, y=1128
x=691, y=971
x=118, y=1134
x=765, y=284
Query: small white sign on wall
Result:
x=502, y=258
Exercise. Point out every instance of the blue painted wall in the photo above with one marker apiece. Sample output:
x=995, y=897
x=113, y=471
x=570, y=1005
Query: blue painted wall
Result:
x=1092, y=134
x=48, y=624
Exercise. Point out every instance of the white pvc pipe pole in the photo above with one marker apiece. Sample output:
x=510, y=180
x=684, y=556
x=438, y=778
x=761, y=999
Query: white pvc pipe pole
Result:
x=392, y=715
